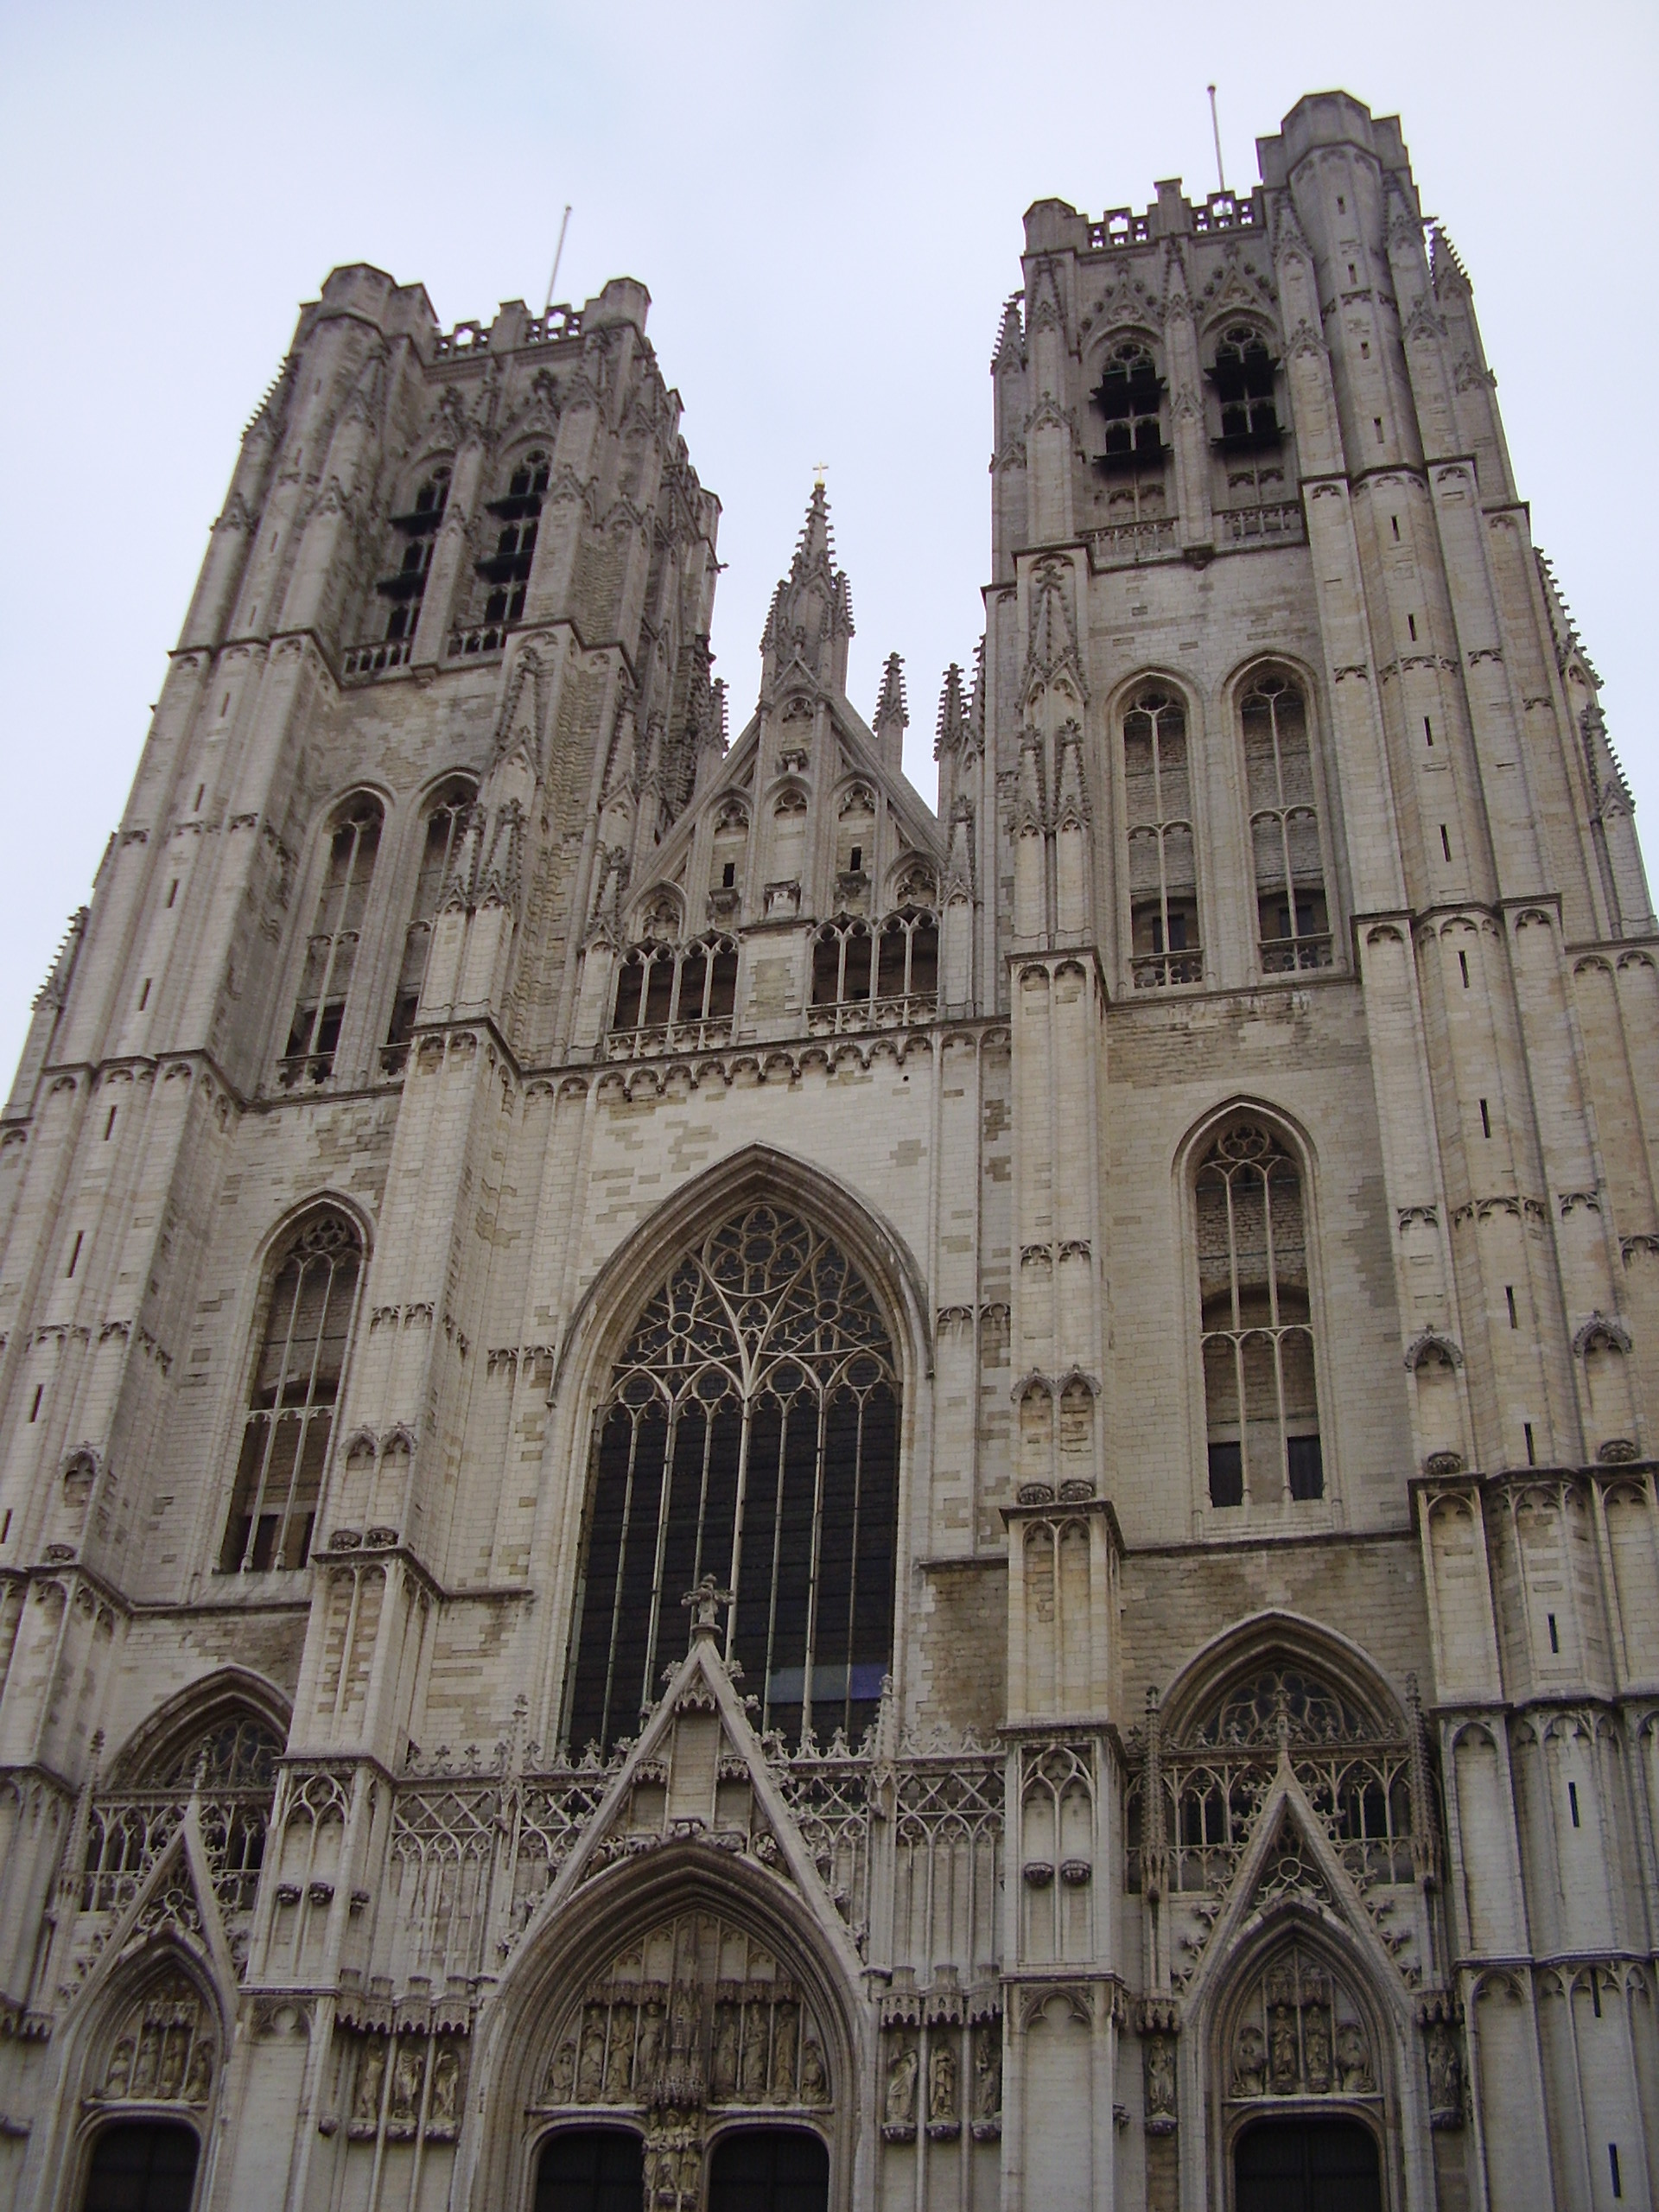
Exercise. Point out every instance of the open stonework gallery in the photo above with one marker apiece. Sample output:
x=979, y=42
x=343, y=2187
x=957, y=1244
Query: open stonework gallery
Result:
x=724, y=1494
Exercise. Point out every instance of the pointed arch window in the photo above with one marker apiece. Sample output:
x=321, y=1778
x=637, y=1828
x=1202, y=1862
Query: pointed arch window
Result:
x=330, y=949
x=418, y=532
x=1261, y=1404
x=1163, y=853
x=887, y=973
x=1243, y=377
x=670, y=996
x=447, y=817
x=1293, y=919
x=1127, y=395
x=296, y=1382
x=519, y=513
x=751, y=1432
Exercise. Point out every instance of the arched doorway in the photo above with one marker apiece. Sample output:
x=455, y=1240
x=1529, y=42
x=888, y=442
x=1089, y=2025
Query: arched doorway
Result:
x=142, y=2166
x=769, y=2169
x=591, y=2169
x=1306, y=2166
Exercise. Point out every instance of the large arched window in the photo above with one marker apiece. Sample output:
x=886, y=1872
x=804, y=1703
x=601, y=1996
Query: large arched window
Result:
x=446, y=819
x=1163, y=857
x=1293, y=923
x=751, y=1432
x=1243, y=377
x=296, y=1379
x=1131, y=455
x=331, y=950
x=872, y=971
x=669, y=995
x=1261, y=1406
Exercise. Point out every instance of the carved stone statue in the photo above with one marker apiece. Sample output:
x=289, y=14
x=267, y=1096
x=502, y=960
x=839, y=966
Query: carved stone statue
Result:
x=1249, y=2061
x=590, y=2066
x=1444, y=2073
x=1354, y=2062
x=120, y=2075
x=728, y=2024
x=753, y=2079
x=942, y=2079
x=900, y=2107
x=988, y=2070
x=785, y=2028
x=443, y=2104
x=1160, y=2077
x=407, y=2071
x=619, y=2066
x=1281, y=2050
x=199, y=2076
x=370, y=2075
x=1316, y=2047
x=648, y=2058
x=562, y=2074
x=815, y=2086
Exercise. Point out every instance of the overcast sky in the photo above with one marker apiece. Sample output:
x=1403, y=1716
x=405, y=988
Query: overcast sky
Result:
x=825, y=203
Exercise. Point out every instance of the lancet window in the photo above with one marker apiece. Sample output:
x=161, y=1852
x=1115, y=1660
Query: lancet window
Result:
x=1163, y=856
x=1261, y=1404
x=231, y=1762
x=519, y=513
x=750, y=1432
x=1243, y=377
x=446, y=819
x=418, y=530
x=330, y=949
x=1131, y=458
x=873, y=971
x=295, y=1386
x=668, y=994
x=1292, y=920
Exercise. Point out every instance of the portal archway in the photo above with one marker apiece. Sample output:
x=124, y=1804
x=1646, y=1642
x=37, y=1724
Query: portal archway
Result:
x=1299, y=2165
x=142, y=2166
x=769, y=2169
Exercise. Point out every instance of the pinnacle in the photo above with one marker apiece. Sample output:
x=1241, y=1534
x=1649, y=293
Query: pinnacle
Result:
x=892, y=701
x=1443, y=260
x=952, y=724
x=1008, y=333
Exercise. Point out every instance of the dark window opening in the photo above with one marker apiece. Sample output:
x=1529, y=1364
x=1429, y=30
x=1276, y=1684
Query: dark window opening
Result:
x=1572, y=1802
x=769, y=2169
x=728, y=875
x=855, y=966
x=1428, y=731
x=405, y=587
x=1485, y=1119
x=1243, y=377
x=1445, y=843
x=1226, y=1474
x=74, y=1255
x=1508, y=1300
x=34, y=1402
x=591, y=2169
x=143, y=2166
x=668, y=990
x=1555, y=1638
x=518, y=511
x=1162, y=857
x=296, y=1384
x=1129, y=396
x=1305, y=1466
x=769, y=1462
x=1532, y=1449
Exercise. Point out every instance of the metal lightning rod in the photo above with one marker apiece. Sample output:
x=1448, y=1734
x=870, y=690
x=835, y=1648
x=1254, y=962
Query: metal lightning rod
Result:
x=1215, y=129
x=559, y=256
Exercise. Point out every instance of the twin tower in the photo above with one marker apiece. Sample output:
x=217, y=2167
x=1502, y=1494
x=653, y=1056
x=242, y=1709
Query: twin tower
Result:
x=717, y=1490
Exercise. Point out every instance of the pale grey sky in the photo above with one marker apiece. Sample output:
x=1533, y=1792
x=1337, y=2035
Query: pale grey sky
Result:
x=825, y=204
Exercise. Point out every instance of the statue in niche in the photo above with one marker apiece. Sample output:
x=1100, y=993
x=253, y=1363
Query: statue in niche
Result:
x=1249, y=2061
x=1354, y=2062
x=942, y=2079
x=1316, y=2047
x=899, y=2110
x=590, y=2068
x=148, y=2059
x=619, y=2067
x=370, y=2075
x=1282, y=2050
x=119, y=2072
x=169, y=2076
x=443, y=2105
x=815, y=2086
x=988, y=2070
x=1444, y=2073
x=752, y=2081
x=728, y=2027
x=648, y=2056
x=562, y=2074
x=785, y=2027
x=199, y=2076
x=1160, y=2077
x=407, y=2072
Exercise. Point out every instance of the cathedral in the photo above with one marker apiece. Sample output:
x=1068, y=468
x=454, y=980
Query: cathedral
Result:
x=719, y=1493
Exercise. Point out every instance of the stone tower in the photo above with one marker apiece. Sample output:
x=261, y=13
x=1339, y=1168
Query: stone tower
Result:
x=718, y=1491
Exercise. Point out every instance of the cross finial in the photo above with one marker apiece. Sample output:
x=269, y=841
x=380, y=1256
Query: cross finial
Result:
x=820, y=470
x=704, y=1604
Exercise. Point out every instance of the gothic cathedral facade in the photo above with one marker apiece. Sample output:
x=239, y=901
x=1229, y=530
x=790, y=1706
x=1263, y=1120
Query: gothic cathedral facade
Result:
x=718, y=1491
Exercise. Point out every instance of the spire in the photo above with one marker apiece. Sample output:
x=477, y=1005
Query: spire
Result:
x=811, y=617
x=976, y=701
x=892, y=715
x=1010, y=337
x=1445, y=269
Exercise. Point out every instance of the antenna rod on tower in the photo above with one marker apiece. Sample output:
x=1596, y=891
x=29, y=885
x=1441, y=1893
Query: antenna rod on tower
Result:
x=559, y=256
x=1215, y=130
